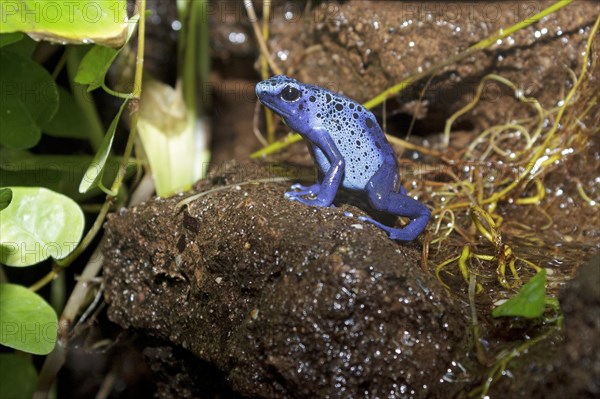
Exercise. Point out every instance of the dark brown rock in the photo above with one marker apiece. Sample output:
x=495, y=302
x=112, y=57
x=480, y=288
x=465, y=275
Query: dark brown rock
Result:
x=287, y=300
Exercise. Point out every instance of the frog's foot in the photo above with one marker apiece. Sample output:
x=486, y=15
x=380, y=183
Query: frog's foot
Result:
x=299, y=189
x=297, y=196
x=407, y=233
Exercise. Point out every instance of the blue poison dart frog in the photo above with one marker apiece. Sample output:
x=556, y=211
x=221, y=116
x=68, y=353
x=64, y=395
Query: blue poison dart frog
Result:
x=349, y=149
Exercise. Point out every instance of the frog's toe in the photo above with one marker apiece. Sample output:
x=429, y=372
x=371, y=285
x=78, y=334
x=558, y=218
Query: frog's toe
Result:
x=291, y=195
x=297, y=187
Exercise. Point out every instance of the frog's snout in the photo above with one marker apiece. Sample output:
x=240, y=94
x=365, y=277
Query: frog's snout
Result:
x=261, y=91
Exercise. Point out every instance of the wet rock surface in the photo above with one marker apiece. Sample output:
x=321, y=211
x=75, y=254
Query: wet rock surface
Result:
x=286, y=300
x=361, y=48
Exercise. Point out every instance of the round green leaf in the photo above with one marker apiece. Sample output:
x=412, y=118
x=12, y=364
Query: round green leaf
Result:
x=27, y=322
x=17, y=377
x=38, y=224
x=28, y=81
x=19, y=129
x=29, y=97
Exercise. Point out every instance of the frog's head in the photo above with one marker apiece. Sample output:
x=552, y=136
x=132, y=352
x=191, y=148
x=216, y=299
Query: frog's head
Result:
x=284, y=96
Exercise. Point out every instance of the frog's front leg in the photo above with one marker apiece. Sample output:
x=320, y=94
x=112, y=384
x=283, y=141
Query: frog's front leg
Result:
x=327, y=188
x=381, y=194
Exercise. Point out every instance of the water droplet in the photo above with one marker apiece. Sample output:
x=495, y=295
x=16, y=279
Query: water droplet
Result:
x=283, y=55
x=237, y=37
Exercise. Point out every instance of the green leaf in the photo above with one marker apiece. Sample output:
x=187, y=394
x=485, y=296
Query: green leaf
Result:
x=70, y=120
x=96, y=167
x=29, y=99
x=60, y=173
x=19, y=129
x=79, y=22
x=9, y=38
x=27, y=322
x=94, y=65
x=17, y=376
x=529, y=302
x=96, y=62
x=38, y=224
x=5, y=197
x=24, y=47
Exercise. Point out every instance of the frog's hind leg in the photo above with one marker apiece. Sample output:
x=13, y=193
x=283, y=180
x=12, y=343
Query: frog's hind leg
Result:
x=383, y=198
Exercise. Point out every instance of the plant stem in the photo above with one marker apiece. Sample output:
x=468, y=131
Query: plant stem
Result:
x=84, y=99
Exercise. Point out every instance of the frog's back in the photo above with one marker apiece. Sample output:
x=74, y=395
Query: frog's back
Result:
x=355, y=132
x=310, y=110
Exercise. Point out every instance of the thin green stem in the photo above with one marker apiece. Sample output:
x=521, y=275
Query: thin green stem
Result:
x=60, y=64
x=203, y=58
x=114, y=93
x=190, y=56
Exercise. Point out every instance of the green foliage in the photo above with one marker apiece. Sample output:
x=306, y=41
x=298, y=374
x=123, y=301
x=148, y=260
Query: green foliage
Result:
x=529, y=302
x=29, y=100
x=17, y=377
x=38, y=224
x=5, y=197
x=69, y=120
x=42, y=184
x=96, y=168
x=83, y=21
x=24, y=46
x=97, y=61
x=9, y=38
x=94, y=66
x=27, y=322
x=60, y=173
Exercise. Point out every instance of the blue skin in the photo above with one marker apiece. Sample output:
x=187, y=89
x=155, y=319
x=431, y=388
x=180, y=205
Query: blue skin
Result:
x=349, y=149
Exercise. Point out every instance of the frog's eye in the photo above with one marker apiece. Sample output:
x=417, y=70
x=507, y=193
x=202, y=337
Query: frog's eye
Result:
x=290, y=94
